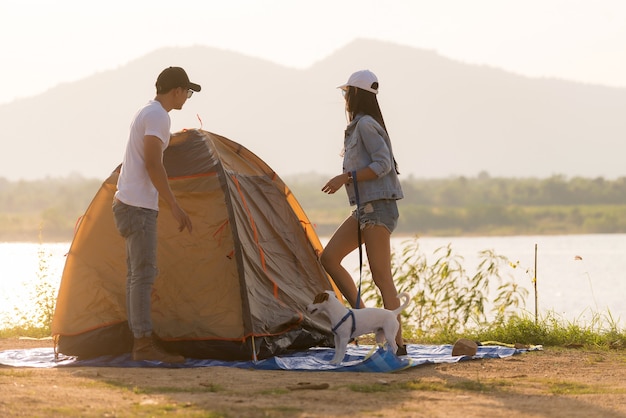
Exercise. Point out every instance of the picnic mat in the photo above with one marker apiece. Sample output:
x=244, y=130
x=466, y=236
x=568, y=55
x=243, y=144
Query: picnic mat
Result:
x=362, y=358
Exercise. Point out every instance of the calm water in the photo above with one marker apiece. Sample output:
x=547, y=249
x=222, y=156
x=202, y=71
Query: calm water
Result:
x=577, y=275
x=21, y=266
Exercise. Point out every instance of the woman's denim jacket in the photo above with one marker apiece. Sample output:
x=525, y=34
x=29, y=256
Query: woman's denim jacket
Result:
x=366, y=144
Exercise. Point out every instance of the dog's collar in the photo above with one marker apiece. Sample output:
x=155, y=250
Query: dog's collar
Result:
x=345, y=317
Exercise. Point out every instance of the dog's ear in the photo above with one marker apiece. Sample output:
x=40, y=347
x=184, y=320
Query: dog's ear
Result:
x=321, y=297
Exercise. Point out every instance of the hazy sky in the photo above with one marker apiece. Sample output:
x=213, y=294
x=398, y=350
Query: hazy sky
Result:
x=47, y=42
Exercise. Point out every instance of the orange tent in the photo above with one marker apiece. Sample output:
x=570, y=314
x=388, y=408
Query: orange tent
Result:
x=236, y=288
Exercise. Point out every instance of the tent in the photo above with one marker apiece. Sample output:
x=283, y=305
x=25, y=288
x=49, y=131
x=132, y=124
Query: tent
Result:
x=235, y=288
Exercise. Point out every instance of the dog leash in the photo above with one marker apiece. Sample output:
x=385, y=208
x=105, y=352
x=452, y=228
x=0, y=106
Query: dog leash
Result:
x=358, y=229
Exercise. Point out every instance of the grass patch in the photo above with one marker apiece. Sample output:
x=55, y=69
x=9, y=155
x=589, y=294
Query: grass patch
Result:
x=571, y=388
x=376, y=388
x=427, y=386
x=430, y=386
x=25, y=330
x=279, y=411
x=275, y=391
x=471, y=386
x=68, y=411
x=15, y=373
x=550, y=331
x=173, y=409
x=150, y=390
x=562, y=387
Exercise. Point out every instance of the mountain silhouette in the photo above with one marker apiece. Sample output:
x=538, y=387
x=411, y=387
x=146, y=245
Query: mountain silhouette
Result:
x=445, y=118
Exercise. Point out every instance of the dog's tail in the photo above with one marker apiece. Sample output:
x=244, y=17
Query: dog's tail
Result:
x=406, y=299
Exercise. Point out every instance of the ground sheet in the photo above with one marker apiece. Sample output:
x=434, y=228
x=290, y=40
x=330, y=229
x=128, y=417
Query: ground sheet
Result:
x=363, y=358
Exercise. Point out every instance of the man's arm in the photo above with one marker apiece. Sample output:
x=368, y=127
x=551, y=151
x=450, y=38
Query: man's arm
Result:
x=153, y=154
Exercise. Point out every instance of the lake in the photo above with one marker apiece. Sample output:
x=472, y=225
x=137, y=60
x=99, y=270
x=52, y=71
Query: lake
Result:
x=578, y=276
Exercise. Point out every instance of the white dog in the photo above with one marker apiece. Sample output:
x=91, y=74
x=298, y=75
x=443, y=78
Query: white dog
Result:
x=350, y=323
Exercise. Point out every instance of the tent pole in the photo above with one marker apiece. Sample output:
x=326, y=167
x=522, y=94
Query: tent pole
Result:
x=253, y=350
x=535, y=286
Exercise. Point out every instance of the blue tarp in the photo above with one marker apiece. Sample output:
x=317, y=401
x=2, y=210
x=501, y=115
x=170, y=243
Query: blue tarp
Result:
x=358, y=359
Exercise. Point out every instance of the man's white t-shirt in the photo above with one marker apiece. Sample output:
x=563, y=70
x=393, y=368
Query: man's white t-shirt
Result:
x=134, y=186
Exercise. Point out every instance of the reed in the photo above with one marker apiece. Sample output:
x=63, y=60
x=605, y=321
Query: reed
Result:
x=448, y=303
x=36, y=321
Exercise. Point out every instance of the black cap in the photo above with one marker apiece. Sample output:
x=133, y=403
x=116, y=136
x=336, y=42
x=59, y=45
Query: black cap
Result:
x=173, y=77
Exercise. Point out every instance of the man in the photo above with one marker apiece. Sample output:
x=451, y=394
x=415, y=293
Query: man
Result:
x=142, y=180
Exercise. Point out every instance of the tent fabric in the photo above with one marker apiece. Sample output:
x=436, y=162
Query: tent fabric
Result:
x=234, y=289
x=358, y=359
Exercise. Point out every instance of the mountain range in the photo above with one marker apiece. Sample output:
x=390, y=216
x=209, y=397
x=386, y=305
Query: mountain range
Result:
x=445, y=117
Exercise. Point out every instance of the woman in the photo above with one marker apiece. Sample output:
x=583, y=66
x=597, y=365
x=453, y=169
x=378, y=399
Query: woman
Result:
x=368, y=163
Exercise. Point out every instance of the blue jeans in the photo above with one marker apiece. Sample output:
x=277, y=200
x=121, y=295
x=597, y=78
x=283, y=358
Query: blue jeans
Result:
x=138, y=226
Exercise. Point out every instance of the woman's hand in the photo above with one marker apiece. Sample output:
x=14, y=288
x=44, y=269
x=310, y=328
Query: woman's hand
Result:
x=335, y=183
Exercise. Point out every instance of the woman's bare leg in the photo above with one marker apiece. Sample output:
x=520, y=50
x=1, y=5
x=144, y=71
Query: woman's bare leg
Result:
x=377, y=242
x=342, y=243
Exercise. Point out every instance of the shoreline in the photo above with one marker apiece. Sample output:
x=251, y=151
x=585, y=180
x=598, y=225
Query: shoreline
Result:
x=395, y=235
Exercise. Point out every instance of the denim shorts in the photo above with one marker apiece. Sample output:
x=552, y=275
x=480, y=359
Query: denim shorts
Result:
x=379, y=212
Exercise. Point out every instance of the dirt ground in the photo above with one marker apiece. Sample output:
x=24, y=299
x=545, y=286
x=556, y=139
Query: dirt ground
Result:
x=551, y=383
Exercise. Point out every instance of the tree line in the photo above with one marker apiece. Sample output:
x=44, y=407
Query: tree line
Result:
x=445, y=206
x=485, y=205
x=49, y=207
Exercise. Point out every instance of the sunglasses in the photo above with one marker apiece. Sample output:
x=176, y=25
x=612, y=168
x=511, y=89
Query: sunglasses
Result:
x=189, y=92
x=345, y=91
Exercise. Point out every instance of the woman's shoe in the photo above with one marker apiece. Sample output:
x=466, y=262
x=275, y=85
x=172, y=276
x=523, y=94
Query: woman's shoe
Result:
x=401, y=350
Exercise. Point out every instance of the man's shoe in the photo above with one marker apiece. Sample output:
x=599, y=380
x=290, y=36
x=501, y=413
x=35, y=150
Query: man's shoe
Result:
x=146, y=349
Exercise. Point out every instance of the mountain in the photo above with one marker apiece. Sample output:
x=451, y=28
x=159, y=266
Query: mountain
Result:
x=445, y=117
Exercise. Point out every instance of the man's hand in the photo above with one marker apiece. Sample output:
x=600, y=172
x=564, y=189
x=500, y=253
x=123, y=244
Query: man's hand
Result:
x=184, y=222
x=153, y=153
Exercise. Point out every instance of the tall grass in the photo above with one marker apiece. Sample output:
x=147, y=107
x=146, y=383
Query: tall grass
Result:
x=445, y=296
x=36, y=322
x=448, y=302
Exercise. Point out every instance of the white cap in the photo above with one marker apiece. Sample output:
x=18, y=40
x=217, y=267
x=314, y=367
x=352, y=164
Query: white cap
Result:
x=363, y=79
